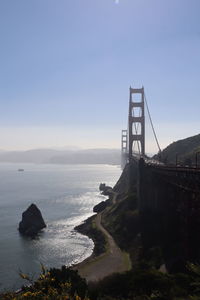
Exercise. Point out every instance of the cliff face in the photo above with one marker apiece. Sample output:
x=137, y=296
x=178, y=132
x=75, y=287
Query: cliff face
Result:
x=32, y=221
x=127, y=181
x=155, y=235
x=121, y=219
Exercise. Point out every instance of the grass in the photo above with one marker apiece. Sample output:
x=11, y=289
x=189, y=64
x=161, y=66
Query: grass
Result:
x=127, y=261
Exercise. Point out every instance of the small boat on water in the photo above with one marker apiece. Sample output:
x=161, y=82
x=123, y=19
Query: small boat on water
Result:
x=20, y=170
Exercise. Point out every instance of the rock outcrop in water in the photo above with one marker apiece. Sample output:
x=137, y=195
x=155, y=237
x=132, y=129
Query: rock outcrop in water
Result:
x=32, y=221
x=105, y=189
x=101, y=206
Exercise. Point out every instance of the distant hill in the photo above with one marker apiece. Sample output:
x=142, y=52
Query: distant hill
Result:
x=90, y=156
x=184, y=149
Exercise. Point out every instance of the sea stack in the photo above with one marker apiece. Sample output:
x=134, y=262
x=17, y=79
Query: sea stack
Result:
x=32, y=221
x=105, y=189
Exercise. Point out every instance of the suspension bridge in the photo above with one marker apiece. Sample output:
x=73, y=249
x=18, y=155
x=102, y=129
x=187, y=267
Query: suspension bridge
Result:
x=169, y=194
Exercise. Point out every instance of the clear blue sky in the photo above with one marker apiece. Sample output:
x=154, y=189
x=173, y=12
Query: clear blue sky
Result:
x=66, y=67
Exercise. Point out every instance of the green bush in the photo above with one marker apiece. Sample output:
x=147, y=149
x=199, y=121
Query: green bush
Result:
x=53, y=284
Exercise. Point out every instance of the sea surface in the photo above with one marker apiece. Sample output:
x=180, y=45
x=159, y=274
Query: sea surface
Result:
x=65, y=194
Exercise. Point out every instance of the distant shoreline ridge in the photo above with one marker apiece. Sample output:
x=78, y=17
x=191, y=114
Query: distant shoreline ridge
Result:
x=50, y=156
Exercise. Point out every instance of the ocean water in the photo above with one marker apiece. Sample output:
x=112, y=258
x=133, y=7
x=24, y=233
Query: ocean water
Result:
x=65, y=194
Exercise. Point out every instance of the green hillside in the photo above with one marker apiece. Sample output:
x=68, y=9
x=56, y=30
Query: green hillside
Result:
x=185, y=150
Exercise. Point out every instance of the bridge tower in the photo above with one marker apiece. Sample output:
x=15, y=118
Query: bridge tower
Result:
x=136, y=121
x=124, y=150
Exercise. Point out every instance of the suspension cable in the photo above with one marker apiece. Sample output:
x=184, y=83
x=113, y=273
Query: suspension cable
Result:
x=145, y=99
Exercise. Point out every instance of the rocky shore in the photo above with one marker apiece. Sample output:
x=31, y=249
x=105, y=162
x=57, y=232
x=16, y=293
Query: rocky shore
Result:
x=89, y=229
x=107, y=258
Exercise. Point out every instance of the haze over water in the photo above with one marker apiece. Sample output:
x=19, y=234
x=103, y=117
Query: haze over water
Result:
x=65, y=194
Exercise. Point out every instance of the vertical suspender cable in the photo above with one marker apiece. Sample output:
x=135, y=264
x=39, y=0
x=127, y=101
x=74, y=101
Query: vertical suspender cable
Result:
x=152, y=124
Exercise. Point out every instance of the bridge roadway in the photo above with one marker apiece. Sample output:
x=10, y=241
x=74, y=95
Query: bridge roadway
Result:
x=184, y=177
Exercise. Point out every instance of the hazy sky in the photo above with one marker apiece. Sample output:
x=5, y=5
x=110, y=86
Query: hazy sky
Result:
x=66, y=67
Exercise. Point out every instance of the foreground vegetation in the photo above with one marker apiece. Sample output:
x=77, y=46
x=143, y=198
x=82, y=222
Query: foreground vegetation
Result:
x=140, y=284
x=61, y=284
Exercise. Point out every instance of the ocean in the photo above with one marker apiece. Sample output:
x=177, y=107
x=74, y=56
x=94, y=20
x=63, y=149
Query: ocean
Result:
x=65, y=194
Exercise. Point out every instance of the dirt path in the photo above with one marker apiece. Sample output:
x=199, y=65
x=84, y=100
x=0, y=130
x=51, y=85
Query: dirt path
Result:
x=114, y=260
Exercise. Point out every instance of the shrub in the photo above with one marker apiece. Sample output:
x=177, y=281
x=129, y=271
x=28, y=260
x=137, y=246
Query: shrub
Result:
x=53, y=284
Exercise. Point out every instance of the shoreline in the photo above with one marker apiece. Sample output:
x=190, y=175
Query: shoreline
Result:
x=107, y=258
x=89, y=229
x=86, y=229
